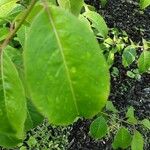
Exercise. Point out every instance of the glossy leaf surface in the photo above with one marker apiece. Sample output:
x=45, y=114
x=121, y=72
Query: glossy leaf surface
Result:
x=67, y=75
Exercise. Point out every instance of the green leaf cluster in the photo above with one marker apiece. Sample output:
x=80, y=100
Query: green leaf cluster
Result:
x=108, y=122
x=54, y=72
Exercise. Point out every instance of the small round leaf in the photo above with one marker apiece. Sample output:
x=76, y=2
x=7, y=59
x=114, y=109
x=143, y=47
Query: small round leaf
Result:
x=98, y=128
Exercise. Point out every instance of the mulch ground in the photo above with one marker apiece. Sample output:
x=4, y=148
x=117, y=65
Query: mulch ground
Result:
x=125, y=15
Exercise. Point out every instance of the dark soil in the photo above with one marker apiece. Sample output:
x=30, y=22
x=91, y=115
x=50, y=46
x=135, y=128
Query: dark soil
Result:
x=125, y=15
x=125, y=91
x=80, y=139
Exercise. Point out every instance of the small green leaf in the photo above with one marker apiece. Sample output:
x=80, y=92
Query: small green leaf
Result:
x=72, y=5
x=122, y=139
x=97, y=22
x=111, y=107
x=103, y=2
x=146, y=123
x=130, y=115
x=23, y=148
x=109, y=41
x=21, y=34
x=85, y=21
x=6, y=7
x=130, y=112
x=144, y=62
x=98, y=128
x=76, y=6
x=110, y=58
x=146, y=44
x=130, y=74
x=144, y=3
x=115, y=72
x=137, y=141
x=128, y=56
x=32, y=141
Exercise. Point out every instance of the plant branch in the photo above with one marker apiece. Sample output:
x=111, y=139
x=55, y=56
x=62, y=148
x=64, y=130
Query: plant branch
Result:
x=120, y=120
x=13, y=32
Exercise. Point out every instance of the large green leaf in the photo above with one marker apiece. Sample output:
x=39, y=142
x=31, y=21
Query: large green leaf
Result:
x=137, y=141
x=33, y=116
x=122, y=139
x=144, y=61
x=67, y=75
x=98, y=128
x=12, y=104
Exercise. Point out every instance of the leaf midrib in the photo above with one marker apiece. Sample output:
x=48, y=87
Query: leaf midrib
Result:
x=62, y=54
